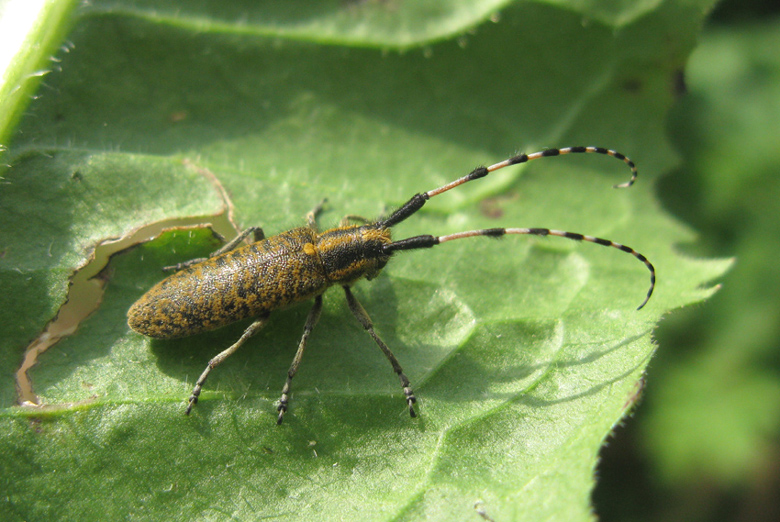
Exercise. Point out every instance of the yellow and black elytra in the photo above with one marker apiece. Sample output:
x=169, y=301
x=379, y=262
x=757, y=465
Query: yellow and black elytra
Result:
x=269, y=274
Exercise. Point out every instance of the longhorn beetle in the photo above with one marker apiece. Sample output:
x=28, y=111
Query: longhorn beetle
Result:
x=272, y=273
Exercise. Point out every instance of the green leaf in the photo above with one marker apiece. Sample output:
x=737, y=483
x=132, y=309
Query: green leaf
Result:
x=524, y=352
x=371, y=23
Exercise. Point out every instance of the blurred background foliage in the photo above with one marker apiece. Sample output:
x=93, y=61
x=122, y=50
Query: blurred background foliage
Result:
x=705, y=444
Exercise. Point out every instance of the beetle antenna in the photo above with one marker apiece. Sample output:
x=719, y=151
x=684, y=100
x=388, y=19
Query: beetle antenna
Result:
x=428, y=241
x=418, y=200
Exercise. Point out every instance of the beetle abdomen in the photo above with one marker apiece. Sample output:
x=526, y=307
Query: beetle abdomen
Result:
x=246, y=282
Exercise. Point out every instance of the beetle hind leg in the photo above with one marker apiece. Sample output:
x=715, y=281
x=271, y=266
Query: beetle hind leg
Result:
x=257, y=235
x=217, y=360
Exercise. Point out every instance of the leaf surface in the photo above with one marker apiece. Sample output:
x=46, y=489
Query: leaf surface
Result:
x=524, y=352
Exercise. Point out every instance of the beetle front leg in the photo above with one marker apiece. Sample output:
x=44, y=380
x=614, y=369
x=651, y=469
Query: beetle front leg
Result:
x=362, y=316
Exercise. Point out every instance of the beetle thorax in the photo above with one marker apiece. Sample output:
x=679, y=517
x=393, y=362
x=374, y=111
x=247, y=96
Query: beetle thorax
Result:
x=353, y=252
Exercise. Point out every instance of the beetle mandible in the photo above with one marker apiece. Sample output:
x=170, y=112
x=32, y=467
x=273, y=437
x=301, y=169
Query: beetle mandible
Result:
x=273, y=273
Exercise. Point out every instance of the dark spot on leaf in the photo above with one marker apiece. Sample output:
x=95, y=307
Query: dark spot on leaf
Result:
x=632, y=85
x=493, y=208
x=678, y=82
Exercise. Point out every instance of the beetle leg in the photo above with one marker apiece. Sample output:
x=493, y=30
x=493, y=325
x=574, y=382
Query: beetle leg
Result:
x=346, y=220
x=233, y=243
x=213, y=363
x=311, y=216
x=258, y=235
x=311, y=320
x=362, y=316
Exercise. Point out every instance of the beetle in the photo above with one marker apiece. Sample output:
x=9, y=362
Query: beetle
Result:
x=269, y=274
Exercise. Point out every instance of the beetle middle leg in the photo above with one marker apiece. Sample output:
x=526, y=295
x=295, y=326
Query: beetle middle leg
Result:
x=311, y=216
x=362, y=316
x=311, y=321
x=213, y=363
x=257, y=235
